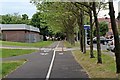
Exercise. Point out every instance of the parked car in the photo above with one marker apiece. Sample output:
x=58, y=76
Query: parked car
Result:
x=103, y=40
x=111, y=45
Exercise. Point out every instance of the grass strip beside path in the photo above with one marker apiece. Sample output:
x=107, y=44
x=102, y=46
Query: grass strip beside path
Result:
x=105, y=70
x=68, y=45
x=14, y=52
x=36, y=44
x=9, y=66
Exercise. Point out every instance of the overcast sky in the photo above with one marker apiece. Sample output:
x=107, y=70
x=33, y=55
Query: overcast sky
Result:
x=25, y=7
x=17, y=6
x=105, y=12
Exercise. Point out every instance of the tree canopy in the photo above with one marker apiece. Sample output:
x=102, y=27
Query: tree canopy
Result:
x=14, y=19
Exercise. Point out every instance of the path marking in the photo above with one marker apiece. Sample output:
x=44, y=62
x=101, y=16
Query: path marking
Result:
x=43, y=54
x=51, y=64
x=60, y=53
x=46, y=50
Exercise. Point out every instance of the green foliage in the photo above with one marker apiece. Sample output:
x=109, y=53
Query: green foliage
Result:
x=103, y=29
x=54, y=14
x=25, y=17
x=35, y=21
x=14, y=19
x=58, y=17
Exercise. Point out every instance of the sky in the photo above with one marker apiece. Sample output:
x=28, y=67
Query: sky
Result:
x=17, y=6
x=116, y=8
x=25, y=7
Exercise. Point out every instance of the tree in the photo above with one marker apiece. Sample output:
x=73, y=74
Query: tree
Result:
x=13, y=19
x=25, y=17
x=78, y=11
x=37, y=21
x=93, y=8
x=91, y=33
x=98, y=33
x=103, y=28
x=58, y=18
x=116, y=36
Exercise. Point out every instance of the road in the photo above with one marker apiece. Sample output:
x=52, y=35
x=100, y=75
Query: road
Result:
x=51, y=63
x=103, y=47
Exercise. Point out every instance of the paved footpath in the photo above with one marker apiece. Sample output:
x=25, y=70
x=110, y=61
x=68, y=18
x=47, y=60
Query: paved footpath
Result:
x=48, y=64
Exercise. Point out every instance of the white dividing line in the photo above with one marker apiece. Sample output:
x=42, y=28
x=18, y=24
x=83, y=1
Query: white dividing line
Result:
x=51, y=64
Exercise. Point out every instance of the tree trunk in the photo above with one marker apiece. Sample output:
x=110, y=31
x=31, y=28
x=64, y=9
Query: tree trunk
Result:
x=116, y=36
x=82, y=30
x=81, y=39
x=91, y=35
x=98, y=34
x=82, y=23
x=84, y=42
x=72, y=38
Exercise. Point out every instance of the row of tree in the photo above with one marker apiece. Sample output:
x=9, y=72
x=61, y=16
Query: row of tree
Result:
x=14, y=19
x=71, y=16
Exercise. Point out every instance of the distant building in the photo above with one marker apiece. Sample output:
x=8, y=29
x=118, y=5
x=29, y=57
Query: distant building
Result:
x=20, y=33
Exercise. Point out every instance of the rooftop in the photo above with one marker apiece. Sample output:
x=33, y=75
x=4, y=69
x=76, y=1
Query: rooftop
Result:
x=18, y=27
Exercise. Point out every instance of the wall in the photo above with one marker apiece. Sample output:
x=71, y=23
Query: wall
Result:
x=16, y=36
x=32, y=36
x=21, y=36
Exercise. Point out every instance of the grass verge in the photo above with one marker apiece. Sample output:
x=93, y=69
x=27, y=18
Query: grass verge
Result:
x=14, y=52
x=9, y=66
x=68, y=45
x=105, y=70
x=37, y=44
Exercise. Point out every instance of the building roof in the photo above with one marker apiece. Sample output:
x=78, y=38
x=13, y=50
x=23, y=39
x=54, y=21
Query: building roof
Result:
x=104, y=19
x=18, y=27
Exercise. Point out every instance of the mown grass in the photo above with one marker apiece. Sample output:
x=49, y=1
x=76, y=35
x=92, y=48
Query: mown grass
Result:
x=105, y=70
x=9, y=66
x=14, y=52
x=37, y=44
x=68, y=45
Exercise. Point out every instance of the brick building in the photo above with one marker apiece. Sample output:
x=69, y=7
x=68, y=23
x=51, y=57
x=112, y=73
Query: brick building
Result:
x=20, y=33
